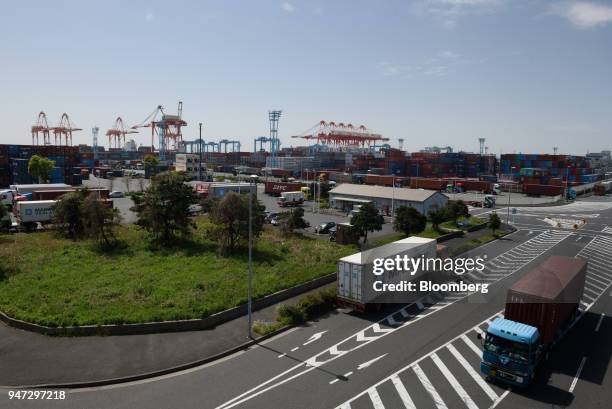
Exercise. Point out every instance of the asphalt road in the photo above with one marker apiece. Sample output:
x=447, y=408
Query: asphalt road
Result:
x=422, y=355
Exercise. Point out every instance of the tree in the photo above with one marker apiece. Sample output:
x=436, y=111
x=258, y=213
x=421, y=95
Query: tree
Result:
x=437, y=215
x=99, y=221
x=291, y=220
x=494, y=222
x=367, y=220
x=151, y=160
x=457, y=209
x=40, y=168
x=163, y=209
x=409, y=221
x=67, y=214
x=231, y=217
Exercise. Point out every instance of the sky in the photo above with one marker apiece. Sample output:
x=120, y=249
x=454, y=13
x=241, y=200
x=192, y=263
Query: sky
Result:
x=526, y=75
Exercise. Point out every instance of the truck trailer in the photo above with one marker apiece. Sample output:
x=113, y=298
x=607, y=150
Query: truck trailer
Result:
x=356, y=276
x=291, y=199
x=540, y=308
x=29, y=213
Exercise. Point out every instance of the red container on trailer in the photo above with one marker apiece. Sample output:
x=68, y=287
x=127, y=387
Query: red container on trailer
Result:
x=548, y=295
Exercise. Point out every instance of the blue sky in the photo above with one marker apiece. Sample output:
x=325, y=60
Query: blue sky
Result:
x=525, y=74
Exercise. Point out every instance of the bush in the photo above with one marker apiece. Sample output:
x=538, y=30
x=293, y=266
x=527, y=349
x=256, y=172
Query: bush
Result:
x=311, y=305
x=263, y=328
x=289, y=315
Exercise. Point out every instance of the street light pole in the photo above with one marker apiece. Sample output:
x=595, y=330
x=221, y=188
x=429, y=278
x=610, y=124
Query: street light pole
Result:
x=393, y=197
x=200, y=165
x=509, y=193
x=250, y=294
x=566, y=183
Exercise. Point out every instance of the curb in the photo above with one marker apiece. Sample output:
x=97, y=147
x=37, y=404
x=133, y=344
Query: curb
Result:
x=154, y=374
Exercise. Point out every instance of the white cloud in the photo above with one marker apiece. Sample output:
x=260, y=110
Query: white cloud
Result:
x=389, y=69
x=288, y=7
x=447, y=12
x=441, y=64
x=149, y=17
x=584, y=14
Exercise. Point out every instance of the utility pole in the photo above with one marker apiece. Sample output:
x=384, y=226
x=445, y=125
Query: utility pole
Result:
x=200, y=165
x=250, y=294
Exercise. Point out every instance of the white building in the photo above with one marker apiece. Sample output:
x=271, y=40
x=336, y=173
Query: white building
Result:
x=347, y=195
x=190, y=164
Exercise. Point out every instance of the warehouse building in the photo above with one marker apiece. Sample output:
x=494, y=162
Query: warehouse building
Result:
x=347, y=195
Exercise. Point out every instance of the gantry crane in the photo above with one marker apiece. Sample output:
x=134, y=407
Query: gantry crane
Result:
x=168, y=129
x=274, y=143
x=340, y=134
x=65, y=128
x=117, y=134
x=41, y=126
x=226, y=142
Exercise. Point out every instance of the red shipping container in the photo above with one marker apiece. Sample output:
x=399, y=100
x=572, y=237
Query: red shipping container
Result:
x=427, y=183
x=544, y=190
x=547, y=296
x=276, y=188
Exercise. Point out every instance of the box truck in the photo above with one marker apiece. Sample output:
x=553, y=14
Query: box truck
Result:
x=540, y=308
x=29, y=213
x=291, y=199
x=356, y=276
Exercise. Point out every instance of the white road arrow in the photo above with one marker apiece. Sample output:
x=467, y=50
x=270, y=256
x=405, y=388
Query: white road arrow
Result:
x=366, y=364
x=315, y=337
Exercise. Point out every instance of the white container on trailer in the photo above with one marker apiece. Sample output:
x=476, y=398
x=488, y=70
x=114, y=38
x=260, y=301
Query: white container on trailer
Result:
x=356, y=276
x=34, y=211
x=23, y=189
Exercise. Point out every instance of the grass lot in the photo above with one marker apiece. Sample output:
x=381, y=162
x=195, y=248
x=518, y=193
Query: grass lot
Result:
x=58, y=282
x=429, y=233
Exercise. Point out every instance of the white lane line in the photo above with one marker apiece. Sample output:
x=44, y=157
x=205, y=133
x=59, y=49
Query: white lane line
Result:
x=465, y=397
x=475, y=375
x=282, y=355
x=403, y=393
x=587, y=306
x=295, y=349
x=375, y=397
x=333, y=381
x=312, y=363
x=344, y=406
x=472, y=345
x=349, y=373
x=429, y=387
x=601, y=317
x=503, y=395
x=575, y=381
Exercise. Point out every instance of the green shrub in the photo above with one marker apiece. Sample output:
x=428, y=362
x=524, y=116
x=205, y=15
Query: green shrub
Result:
x=289, y=315
x=311, y=305
x=263, y=328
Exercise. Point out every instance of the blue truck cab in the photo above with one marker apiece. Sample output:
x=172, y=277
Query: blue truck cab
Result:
x=512, y=351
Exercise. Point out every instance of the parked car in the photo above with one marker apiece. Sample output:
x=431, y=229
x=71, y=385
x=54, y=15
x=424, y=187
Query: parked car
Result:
x=115, y=194
x=324, y=228
x=271, y=216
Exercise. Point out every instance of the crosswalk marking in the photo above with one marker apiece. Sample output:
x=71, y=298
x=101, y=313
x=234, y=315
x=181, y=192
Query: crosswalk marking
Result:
x=403, y=393
x=453, y=381
x=375, y=397
x=475, y=375
x=472, y=346
x=429, y=387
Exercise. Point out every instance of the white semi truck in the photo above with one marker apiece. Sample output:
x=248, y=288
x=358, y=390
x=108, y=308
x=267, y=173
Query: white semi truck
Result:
x=356, y=272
